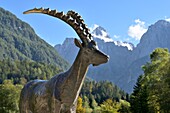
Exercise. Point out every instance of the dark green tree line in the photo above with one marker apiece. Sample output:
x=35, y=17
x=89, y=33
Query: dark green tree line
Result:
x=103, y=97
x=23, y=71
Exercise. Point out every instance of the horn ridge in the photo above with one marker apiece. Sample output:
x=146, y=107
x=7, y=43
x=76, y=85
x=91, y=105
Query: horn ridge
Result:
x=72, y=18
x=79, y=20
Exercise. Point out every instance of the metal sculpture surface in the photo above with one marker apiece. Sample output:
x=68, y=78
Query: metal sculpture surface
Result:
x=60, y=93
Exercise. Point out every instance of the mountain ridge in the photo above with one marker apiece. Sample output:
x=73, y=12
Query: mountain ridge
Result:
x=18, y=41
x=124, y=65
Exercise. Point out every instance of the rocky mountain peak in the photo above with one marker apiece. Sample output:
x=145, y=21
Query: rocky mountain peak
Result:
x=159, y=25
x=101, y=33
x=162, y=23
x=124, y=66
x=98, y=30
x=157, y=35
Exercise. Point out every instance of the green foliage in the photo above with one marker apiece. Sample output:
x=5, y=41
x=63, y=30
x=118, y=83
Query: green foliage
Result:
x=152, y=90
x=18, y=41
x=19, y=72
x=125, y=107
x=103, y=97
x=109, y=106
x=86, y=104
x=101, y=91
x=80, y=108
x=9, y=96
x=22, y=71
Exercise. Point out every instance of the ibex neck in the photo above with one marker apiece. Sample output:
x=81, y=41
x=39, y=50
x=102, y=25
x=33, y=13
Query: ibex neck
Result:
x=74, y=79
x=79, y=66
x=78, y=70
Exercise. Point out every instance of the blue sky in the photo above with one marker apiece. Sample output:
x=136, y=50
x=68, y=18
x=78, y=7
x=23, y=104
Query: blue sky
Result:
x=123, y=20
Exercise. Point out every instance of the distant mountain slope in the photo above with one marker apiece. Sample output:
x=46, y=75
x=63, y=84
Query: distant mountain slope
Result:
x=119, y=53
x=125, y=62
x=18, y=41
x=157, y=36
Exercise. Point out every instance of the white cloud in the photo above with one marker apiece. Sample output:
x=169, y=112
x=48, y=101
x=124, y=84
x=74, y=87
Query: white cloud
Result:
x=136, y=31
x=103, y=37
x=167, y=19
x=116, y=36
x=124, y=44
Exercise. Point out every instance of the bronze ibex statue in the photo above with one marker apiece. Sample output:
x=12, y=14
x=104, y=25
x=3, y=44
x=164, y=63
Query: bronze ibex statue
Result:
x=60, y=93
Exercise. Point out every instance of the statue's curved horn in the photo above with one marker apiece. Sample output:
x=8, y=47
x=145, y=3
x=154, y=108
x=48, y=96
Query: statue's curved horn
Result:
x=72, y=18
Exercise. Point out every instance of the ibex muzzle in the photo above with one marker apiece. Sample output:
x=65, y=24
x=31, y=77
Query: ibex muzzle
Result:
x=60, y=93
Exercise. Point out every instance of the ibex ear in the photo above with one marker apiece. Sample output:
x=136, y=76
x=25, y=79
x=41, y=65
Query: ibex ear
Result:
x=77, y=43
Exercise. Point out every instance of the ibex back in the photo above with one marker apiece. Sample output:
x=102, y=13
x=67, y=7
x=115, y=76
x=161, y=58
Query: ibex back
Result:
x=60, y=93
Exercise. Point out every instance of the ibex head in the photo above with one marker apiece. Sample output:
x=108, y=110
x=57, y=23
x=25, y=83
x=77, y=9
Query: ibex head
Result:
x=88, y=47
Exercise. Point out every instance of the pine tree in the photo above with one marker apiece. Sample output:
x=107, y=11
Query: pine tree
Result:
x=138, y=99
